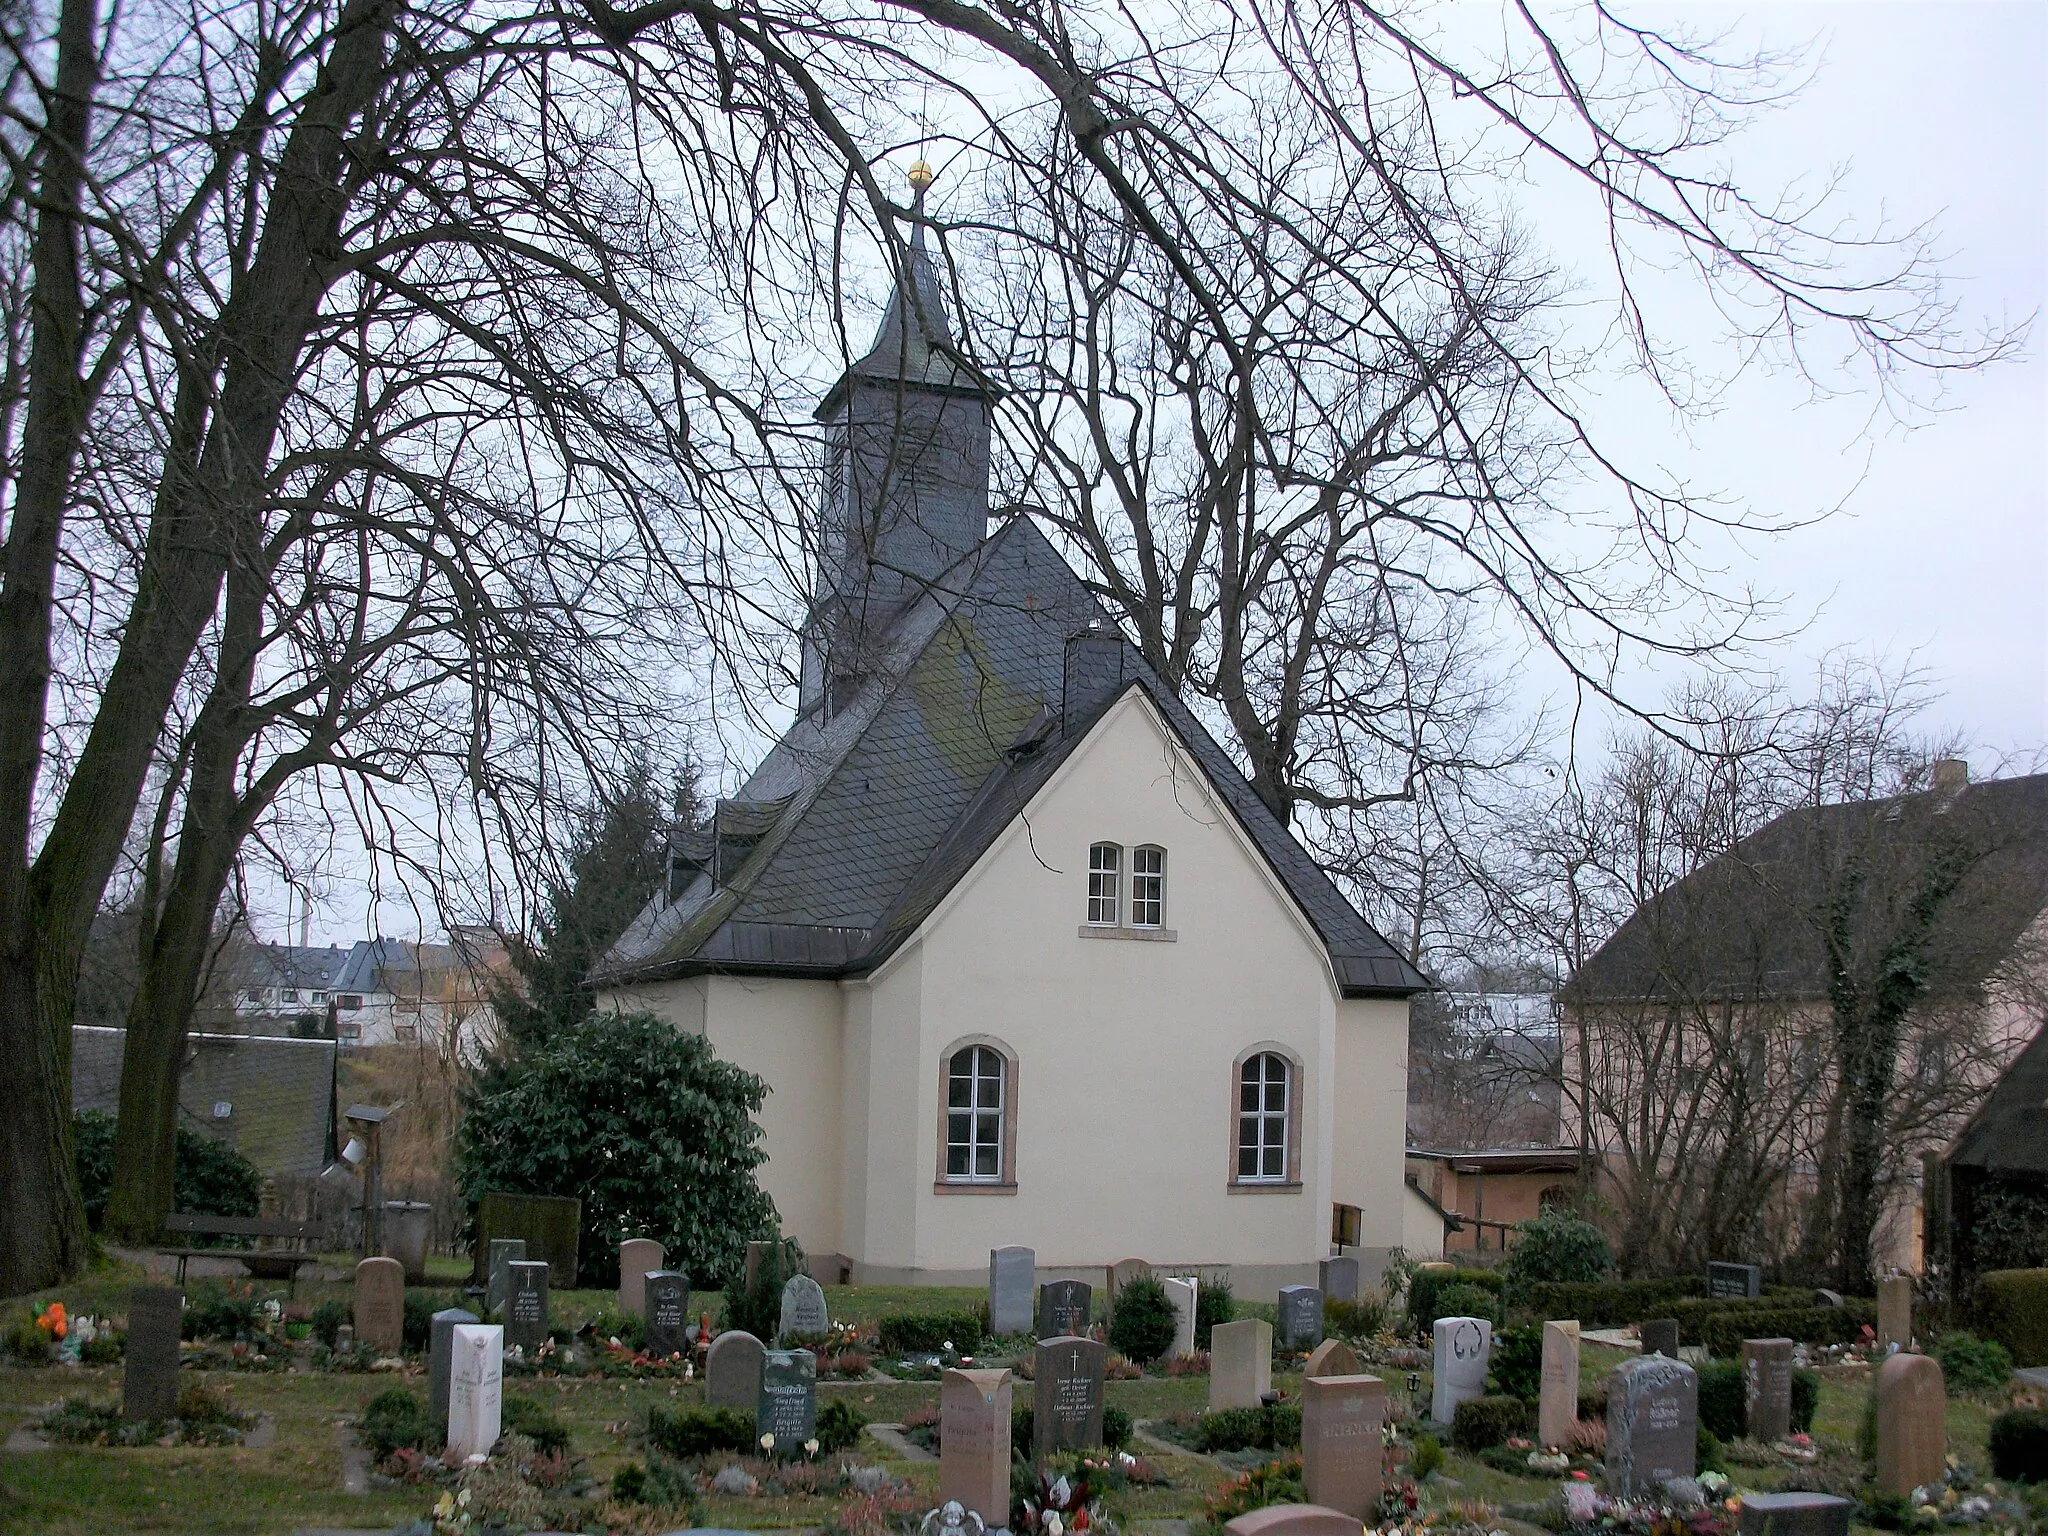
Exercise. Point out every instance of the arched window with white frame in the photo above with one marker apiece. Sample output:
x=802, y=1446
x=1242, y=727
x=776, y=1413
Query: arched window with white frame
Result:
x=977, y=1117
x=1105, y=883
x=1266, y=1095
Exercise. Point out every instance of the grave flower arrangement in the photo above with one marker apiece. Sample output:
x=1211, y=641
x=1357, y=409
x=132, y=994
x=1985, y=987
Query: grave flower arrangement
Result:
x=1066, y=1497
x=1689, y=1507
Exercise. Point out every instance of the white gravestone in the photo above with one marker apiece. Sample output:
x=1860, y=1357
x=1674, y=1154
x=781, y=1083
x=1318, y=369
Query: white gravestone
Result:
x=803, y=1309
x=476, y=1391
x=1459, y=1363
x=1182, y=1294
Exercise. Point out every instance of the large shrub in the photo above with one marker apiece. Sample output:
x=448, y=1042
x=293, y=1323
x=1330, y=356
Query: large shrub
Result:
x=1215, y=1302
x=1467, y=1301
x=208, y=1177
x=2012, y=1307
x=1971, y=1364
x=1426, y=1288
x=640, y=1121
x=1559, y=1248
x=2018, y=1443
x=1142, y=1320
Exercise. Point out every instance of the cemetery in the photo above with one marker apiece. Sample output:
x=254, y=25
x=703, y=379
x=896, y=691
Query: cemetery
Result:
x=1446, y=1399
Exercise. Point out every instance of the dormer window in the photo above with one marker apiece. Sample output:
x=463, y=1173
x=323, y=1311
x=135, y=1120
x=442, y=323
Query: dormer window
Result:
x=1105, y=881
x=1148, y=887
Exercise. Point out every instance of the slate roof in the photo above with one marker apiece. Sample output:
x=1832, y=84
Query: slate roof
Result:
x=1748, y=924
x=886, y=805
x=913, y=346
x=280, y=1092
x=2009, y=1131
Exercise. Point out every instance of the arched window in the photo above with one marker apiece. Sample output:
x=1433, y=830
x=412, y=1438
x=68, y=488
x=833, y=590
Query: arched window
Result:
x=1265, y=1103
x=978, y=1142
x=1148, y=887
x=1557, y=1197
x=1105, y=878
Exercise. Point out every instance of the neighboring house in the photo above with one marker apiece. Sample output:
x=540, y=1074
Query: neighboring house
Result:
x=271, y=1099
x=1483, y=1070
x=1484, y=1192
x=1019, y=953
x=377, y=991
x=1987, y=1205
x=1701, y=1049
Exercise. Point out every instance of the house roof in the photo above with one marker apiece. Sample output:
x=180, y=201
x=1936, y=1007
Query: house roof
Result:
x=860, y=823
x=1751, y=922
x=1505, y=1159
x=2009, y=1131
x=279, y=1092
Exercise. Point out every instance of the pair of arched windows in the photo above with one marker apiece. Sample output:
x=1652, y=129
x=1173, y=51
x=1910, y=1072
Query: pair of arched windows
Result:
x=978, y=1137
x=1147, y=906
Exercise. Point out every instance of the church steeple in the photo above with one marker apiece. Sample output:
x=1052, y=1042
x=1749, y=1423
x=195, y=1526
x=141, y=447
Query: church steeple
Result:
x=905, y=491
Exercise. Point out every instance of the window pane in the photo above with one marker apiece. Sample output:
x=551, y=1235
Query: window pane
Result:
x=985, y=1162
x=1248, y=1098
x=956, y=1162
x=1273, y=1168
x=1247, y=1162
x=1276, y=1096
x=958, y=1091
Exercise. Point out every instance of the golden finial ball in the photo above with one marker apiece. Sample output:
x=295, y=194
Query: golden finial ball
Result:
x=922, y=175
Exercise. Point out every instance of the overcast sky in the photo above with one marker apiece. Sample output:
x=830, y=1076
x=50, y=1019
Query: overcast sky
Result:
x=1941, y=551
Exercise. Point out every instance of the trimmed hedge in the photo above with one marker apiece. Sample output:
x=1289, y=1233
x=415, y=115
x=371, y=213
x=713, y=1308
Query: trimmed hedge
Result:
x=1613, y=1303
x=1481, y=1422
x=1244, y=1429
x=2012, y=1307
x=927, y=1333
x=2019, y=1445
x=685, y=1432
x=1116, y=1430
x=1723, y=1332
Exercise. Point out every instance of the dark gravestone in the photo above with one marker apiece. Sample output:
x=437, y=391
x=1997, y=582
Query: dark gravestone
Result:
x=149, y=1370
x=1340, y=1277
x=1660, y=1336
x=667, y=1303
x=1767, y=1388
x=550, y=1225
x=1738, y=1282
x=1652, y=1424
x=788, y=1407
x=1301, y=1317
x=732, y=1370
x=499, y=1252
x=526, y=1305
x=440, y=1347
x=1066, y=1405
x=1795, y=1514
x=1063, y=1307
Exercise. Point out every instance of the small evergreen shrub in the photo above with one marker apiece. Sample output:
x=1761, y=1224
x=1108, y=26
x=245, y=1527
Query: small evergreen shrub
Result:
x=1971, y=1364
x=326, y=1321
x=2018, y=1443
x=27, y=1343
x=1116, y=1431
x=1250, y=1429
x=1485, y=1421
x=1467, y=1301
x=1427, y=1457
x=1214, y=1303
x=1116, y=1428
x=690, y=1432
x=396, y=1420
x=1359, y=1320
x=1706, y=1454
x=1558, y=1247
x=529, y=1417
x=1723, y=1406
x=660, y=1483
x=1425, y=1290
x=2012, y=1307
x=928, y=1333
x=215, y=1313
x=420, y=1307
x=1805, y=1399
x=839, y=1425
x=1516, y=1368
x=757, y=1308
x=1142, y=1320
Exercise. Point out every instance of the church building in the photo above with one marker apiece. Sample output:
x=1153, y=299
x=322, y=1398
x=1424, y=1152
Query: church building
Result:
x=1020, y=954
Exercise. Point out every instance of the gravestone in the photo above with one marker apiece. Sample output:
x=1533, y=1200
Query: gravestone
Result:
x=440, y=1361
x=638, y=1257
x=788, y=1405
x=1342, y=1448
x=1659, y=1336
x=526, y=1305
x=667, y=1300
x=1912, y=1439
x=1557, y=1398
x=1795, y=1514
x=1123, y=1272
x=1458, y=1360
x=1066, y=1412
x=974, y=1442
x=732, y=1370
x=476, y=1391
x=1339, y=1277
x=380, y=1305
x=503, y=1251
x=1295, y=1520
x=1767, y=1388
x=1823, y=1297
x=149, y=1362
x=551, y=1226
x=1181, y=1293
x=1332, y=1357
x=1301, y=1317
x=1063, y=1307
x=1652, y=1424
x=803, y=1309
x=1739, y=1282
x=1895, y=1312
x=1240, y=1363
x=1011, y=1272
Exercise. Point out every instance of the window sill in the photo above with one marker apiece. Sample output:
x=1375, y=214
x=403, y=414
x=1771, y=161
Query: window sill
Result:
x=1105, y=931
x=1263, y=1187
x=970, y=1187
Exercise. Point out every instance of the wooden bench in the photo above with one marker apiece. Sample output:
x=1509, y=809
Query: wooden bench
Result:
x=261, y=1263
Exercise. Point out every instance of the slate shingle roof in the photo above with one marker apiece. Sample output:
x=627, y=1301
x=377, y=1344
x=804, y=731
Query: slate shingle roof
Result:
x=1748, y=923
x=2009, y=1132
x=891, y=802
